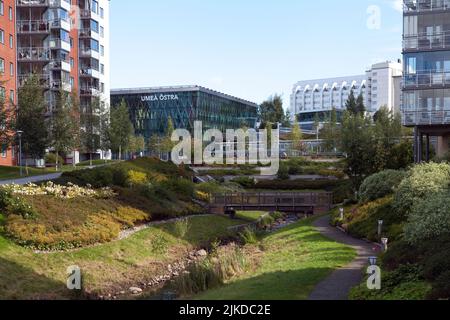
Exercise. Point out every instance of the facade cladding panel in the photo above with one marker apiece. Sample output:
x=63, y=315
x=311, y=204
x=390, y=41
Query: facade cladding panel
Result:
x=151, y=108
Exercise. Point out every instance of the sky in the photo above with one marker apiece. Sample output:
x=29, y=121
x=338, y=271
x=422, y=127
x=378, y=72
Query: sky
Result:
x=251, y=49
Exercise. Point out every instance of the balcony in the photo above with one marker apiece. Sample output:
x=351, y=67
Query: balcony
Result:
x=33, y=54
x=88, y=33
x=32, y=3
x=89, y=91
x=427, y=41
x=417, y=6
x=59, y=44
x=89, y=53
x=417, y=118
x=89, y=72
x=43, y=79
x=426, y=79
x=60, y=65
x=65, y=4
x=60, y=85
x=33, y=26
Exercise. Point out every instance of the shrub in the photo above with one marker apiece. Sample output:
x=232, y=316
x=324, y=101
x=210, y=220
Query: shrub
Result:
x=15, y=205
x=159, y=244
x=400, y=253
x=50, y=158
x=181, y=227
x=265, y=221
x=435, y=265
x=181, y=187
x=441, y=287
x=245, y=182
x=421, y=182
x=380, y=185
x=136, y=178
x=283, y=172
x=248, y=236
x=430, y=218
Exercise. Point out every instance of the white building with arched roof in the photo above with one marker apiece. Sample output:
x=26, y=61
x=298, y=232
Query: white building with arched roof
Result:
x=379, y=86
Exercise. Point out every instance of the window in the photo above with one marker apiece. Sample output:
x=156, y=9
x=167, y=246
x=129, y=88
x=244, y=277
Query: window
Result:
x=11, y=69
x=2, y=65
x=72, y=82
x=11, y=41
x=71, y=43
x=65, y=36
x=94, y=45
x=2, y=36
x=102, y=50
x=11, y=96
x=102, y=32
x=2, y=92
x=102, y=68
x=4, y=152
x=102, y=87
x=10, y=14
x=2, y=8
x=94, y=6
x=94, y=26
x=72, y=62
x=102, y=12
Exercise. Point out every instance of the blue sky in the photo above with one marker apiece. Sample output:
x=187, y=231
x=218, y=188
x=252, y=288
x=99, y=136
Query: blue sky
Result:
x=248, y=48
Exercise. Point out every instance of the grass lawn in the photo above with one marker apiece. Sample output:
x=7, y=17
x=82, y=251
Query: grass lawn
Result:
x=294, y=260
x=250, y=215
x=96, y=163
x=113, y=266
x=7, y=173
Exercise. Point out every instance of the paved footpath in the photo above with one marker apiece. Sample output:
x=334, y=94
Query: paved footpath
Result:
x=34, y=179
x=337, y=286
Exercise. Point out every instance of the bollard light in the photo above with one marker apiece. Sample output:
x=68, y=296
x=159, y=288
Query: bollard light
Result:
x=385, y=241
x=380, y=227
x=341, y=211
x=373, y=261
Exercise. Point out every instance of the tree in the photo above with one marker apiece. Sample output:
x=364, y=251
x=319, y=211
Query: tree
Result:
x=166, y=143
x=296, y=136
x=105, y=140
x=64, y=126
x=154, y=145
x=351, y=105
x=121, y=128
x=287, y=120
x=331, y=132
x=7, y=121
x=90, y=127
x=140, y=144
x=272, y=110
x=360, y=107
x=31, y=118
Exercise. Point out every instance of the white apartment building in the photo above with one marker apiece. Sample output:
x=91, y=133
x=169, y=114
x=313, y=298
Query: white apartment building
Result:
x=379, y=86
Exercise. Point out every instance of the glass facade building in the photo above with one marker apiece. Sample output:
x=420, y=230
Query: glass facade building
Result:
x=426, y=81
x=150, y=109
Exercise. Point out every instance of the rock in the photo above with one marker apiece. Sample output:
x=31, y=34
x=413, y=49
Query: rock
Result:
x=122, y=292
x=202, y=253
x=135, y=290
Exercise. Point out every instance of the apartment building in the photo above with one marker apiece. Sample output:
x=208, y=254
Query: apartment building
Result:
x=64, y=43
x=379, y=86
x=426, y=83
x=8, y=92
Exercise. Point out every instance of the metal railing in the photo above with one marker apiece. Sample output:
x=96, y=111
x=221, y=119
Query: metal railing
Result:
x=33, y=26
x=89, y=91
x=411, y=118
x=32, y=3
x=425, y=5
x=427, y=41
x=33, y=54
x=427, y=79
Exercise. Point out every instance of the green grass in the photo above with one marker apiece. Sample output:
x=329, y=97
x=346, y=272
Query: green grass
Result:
x=113, y=266
x=251, y=216
x=294, y=260
x=96, y=163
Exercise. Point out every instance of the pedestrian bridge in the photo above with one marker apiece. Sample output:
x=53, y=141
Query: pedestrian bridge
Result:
x=289, y=202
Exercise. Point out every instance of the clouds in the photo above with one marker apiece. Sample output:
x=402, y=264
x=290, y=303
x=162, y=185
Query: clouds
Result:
x=397, y=5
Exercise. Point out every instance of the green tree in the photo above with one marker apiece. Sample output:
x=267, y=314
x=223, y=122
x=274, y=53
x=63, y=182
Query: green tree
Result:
x=105, y=139
x=121, y=128
x=90, y=127
x=296, y=136
x=166, y=141
x=350, y=104
x=63, y=125
x=272, y=110
x=287, y=119
x=31, y=118
x=360, y=107
x=331, y=132
x=7, y=121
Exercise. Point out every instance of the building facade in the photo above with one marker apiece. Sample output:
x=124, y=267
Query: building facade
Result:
x=8, y=92
x=150, y=109
x=379, y=86
x=426, y=83
x=64, y=43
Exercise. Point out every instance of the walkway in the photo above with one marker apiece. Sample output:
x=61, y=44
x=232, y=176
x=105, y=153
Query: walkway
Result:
x=33, y=179
x=337, y=286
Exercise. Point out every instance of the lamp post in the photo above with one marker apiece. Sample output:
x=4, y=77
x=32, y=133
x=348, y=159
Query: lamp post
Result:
x=341, y=211
x=373, y=261
x=384, y=241
x=19, y=134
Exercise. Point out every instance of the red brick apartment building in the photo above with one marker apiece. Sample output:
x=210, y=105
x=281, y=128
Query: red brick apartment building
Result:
x=8, y=88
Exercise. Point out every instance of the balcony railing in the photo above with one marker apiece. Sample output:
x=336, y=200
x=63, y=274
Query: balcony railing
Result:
x=411, y=6
x=89, y=91
x=33, y=26
x=427, y=79
x=88, y=71
x=43, y=79
x=33, y=54
x=32, y=3
x=427, y=41
x=413, y=118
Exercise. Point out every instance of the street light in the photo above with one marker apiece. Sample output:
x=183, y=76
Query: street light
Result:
x=341, y=211
x=384, y=241
x=380, y=227
x=19, y=134
x=373, y=261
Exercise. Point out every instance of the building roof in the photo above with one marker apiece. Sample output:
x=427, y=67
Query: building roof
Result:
x=174, y=89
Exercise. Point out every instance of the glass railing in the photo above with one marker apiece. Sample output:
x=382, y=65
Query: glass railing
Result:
x=32, y=26
x=427, y=79
x=427, y=41
x=33, y=54
x=425, y=5
x=89, y=91
x=411, y=118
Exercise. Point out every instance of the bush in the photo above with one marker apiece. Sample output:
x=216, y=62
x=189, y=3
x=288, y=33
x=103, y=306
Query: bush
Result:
x=430, y=218
x=283, y=172
x=136, y=178
x=421, y=182
x=50, y=158
x=380, y=185
x=400, y=253
x=248, y=236
x=436, y=265
x=441, y=287
x=245, y=182
x=181, y=227
x=15, y=205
